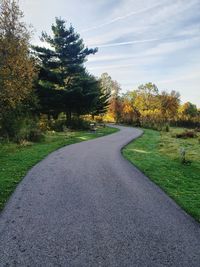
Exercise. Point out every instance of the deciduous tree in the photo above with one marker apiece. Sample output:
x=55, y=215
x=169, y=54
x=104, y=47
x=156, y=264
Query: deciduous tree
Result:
x=17, y=68
x=169, y=104
x=188, y=111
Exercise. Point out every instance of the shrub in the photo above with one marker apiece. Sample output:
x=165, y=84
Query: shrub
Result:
x=19, y=126
x=59, y=125
x=78, y=124
x=186, y=134
x=43, y=123
x=36, y=135
x=16, y=126
x=167, y=128
x=99, y=119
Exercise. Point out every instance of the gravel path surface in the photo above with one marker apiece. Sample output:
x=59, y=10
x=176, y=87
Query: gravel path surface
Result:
x=84, y=205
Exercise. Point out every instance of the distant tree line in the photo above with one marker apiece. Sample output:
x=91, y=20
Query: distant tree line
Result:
x=147, y=107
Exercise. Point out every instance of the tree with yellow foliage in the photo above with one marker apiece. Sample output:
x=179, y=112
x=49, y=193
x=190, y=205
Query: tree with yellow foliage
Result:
x=17, y=70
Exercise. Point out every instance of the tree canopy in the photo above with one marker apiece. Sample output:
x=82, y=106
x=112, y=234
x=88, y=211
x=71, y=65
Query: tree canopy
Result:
x=17, y=70
x=64, y=84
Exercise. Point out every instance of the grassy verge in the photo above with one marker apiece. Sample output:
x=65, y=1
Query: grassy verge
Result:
x=157, y=155
x=16, y=160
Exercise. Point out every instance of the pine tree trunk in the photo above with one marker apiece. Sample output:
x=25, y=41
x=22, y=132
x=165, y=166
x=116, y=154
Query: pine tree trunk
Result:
x=69, y=116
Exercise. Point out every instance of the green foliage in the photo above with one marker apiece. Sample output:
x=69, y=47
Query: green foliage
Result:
x=17, y=126
x=58, y=125
x=17, y=73
x=158, y=156
x=64, y=84
x=188, y=110
x=78, y=124
x=167, y=128
x=36, y=136
x=102, y=103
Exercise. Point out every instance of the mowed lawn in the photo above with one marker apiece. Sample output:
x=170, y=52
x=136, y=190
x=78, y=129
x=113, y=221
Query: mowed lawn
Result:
x=157, y=155
x=16, y=160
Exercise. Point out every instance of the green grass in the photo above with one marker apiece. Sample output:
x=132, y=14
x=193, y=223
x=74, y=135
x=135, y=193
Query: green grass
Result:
x=16, y=160
x=156, y=154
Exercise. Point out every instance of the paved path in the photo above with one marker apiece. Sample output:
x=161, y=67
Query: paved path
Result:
x=84, y=205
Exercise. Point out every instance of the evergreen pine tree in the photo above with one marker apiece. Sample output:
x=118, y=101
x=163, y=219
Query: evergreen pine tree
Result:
x=62, y=77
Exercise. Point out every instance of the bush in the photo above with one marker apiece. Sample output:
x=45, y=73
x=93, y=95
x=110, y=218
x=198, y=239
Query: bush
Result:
x=186, y=124
x=16, y=126
x=36, y=135
x=186, y=134
x=99, y=119
x=44, y=123
x=78, y=124
x=59, y=125
x=20, y=127
x=167, y=128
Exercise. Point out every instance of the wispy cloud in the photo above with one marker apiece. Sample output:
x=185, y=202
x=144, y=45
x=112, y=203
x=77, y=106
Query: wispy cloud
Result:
x=171, y=46
x=116, y=33
x=183, y=77
x=139, y=41
x=119, y=18
x=114, y=66
x=127, y=43
x=164, y=48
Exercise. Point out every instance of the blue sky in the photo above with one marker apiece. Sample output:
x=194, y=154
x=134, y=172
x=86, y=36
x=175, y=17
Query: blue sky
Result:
x=139, y=40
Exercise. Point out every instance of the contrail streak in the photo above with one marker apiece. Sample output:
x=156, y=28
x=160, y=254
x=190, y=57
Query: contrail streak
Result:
x=119, y=18
x=127, y=43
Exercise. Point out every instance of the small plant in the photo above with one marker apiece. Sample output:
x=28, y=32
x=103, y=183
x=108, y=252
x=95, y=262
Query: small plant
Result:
x=182, y=155
x=25, y=143
x=167, y=128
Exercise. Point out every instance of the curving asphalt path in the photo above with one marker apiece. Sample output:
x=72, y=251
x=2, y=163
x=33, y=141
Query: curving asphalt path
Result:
x=84, y=205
